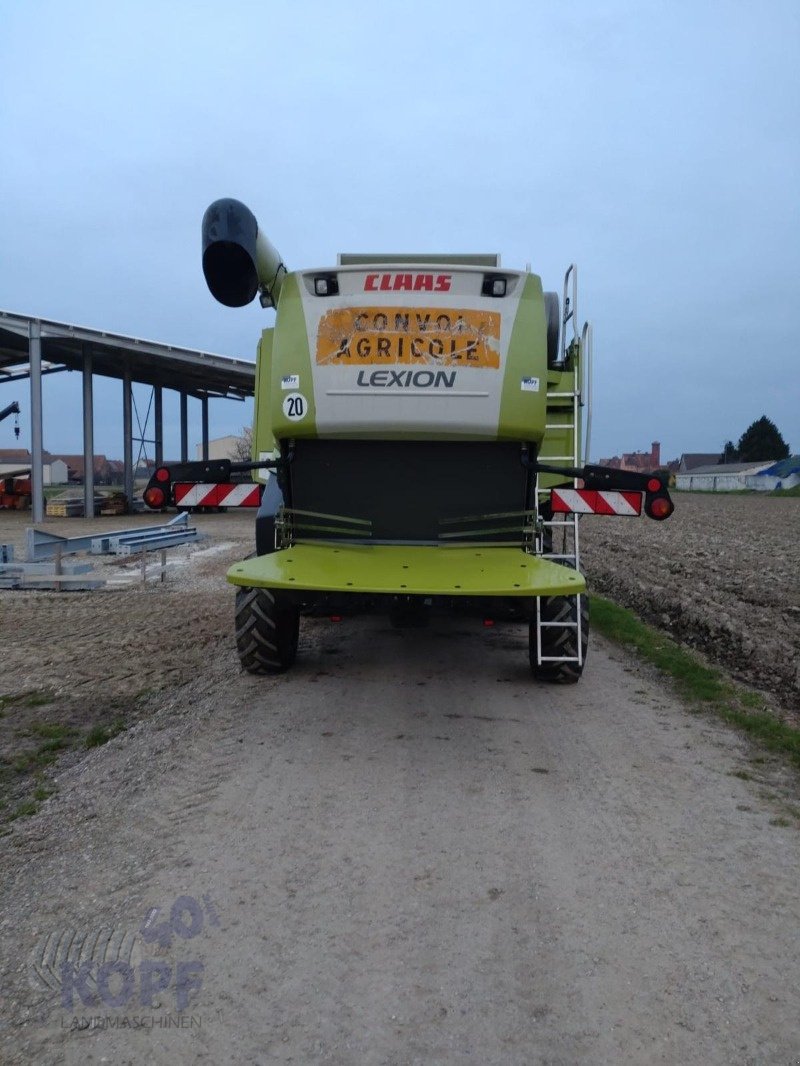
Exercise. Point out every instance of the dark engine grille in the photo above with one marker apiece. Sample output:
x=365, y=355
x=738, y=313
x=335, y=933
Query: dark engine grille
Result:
x=406, y=488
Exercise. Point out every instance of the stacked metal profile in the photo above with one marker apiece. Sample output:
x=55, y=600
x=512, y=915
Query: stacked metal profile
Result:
x=43, y=567
x=44, y=575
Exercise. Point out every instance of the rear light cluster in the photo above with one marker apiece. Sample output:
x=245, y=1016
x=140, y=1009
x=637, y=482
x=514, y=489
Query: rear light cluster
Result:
x=659, y=507
x=657, y=502
x=157, y=493
x=154, y=497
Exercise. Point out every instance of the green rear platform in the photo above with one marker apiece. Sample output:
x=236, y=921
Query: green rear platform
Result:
x=408, y=571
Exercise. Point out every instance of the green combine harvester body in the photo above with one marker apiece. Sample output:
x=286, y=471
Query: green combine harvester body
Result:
x=413, y=415
x=414, y=392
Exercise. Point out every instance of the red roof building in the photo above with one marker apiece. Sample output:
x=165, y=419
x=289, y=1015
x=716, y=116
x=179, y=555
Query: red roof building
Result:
x=642, y=462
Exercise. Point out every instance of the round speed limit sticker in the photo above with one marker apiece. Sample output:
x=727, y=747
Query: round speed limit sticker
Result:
x=295, y=406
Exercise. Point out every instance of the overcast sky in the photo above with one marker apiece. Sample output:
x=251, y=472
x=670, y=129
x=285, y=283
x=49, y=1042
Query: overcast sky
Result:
x=655, y=144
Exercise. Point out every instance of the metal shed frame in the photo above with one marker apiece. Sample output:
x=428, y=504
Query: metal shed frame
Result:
x=31, y=347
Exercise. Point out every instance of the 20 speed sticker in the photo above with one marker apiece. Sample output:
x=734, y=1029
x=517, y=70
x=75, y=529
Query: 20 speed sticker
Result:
x=295, y=406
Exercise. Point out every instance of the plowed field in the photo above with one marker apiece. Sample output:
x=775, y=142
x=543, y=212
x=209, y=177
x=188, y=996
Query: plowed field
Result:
x=722, y=575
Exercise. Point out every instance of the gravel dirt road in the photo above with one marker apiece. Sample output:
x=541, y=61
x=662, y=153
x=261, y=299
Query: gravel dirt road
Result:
x=403, y=852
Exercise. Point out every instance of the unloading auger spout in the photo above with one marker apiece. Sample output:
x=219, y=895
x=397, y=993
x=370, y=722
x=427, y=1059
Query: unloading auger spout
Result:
x=238, y=260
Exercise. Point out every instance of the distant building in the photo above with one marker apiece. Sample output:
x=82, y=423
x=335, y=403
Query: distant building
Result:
x=720, y=477
x=53, y=473
x=15, y=457
x=691, y=460
x=61, y=469
x=56, y=472
x=643, y=462
x=102, y=473
x=116, y=471
x=221, y=448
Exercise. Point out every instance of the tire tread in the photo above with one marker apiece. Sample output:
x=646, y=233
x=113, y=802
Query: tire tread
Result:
x=266, y=631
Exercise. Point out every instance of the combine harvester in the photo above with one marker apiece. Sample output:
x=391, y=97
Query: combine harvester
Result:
x=418, y=428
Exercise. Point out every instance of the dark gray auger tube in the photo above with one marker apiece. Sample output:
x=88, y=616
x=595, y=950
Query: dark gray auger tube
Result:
x=238, y=260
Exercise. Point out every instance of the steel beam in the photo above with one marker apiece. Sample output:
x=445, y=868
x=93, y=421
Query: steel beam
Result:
x=88, y=437
x=43, y=545
x=37, y=458
x=23, y=376
x=204, y=414
x=184, y=428
x=127, y=431
x=158, y=421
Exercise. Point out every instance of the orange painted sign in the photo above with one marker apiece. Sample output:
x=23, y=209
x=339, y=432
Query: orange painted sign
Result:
x=379, y=336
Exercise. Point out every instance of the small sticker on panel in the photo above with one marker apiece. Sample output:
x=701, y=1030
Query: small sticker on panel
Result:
x=295, y=406
x=530, y=385
x=290, y=381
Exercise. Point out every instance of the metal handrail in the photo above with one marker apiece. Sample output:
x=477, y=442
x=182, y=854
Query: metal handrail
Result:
x=587, y=345
x=570, y=306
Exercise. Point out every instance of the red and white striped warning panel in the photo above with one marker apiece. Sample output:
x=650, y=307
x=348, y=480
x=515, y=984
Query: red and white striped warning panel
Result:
x=192, y=494
x=594, y=501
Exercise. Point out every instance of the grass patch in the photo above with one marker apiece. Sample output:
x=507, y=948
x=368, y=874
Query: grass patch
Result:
x=52, y=731
x=54, y=739
x=101, y=734
x=24, y=810
x=751, y=699
x=698, y=684
x=36, y=699
x=26, y=699
x=44, y=755
x=793, y=491
x=34, y=740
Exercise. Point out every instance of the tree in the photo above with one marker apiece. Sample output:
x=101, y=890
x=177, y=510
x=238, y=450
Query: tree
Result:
x=243, y=449
x=762, y=440
x=729, y=453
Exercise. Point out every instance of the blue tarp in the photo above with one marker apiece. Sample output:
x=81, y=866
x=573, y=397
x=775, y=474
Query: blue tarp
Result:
x=784, y=468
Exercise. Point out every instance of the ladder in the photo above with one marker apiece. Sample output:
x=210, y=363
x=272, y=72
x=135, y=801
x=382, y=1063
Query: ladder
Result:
x=557, y=536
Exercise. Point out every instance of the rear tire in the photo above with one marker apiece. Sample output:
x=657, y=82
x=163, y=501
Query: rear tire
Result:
x=558, y=641
x=267, y=631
